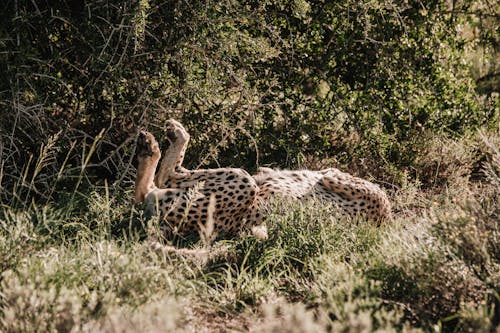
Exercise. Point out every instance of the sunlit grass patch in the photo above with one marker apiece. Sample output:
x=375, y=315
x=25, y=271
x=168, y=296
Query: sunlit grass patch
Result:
x=94, y=265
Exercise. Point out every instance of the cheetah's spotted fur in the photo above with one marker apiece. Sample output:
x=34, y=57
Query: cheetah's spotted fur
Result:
x=173, y=192
x=353, y=195
x=182, y=196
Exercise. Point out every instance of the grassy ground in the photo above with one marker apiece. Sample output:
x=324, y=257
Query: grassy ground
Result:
x=86, y=265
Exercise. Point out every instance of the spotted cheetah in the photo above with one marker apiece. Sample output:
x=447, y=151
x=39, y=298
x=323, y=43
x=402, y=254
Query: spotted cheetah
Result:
x=240, y=199
x=182, y=196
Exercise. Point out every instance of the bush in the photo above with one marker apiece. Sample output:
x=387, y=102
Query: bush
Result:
x=254, y=82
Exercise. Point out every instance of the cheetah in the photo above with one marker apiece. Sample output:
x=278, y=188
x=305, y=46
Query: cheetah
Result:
x=184, y=198
x=240, y=199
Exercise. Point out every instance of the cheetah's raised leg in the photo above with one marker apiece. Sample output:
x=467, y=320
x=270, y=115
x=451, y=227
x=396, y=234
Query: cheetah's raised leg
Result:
x=148, y=154
x=171, y=165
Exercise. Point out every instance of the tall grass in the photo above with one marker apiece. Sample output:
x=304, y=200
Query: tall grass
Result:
x=84, y=264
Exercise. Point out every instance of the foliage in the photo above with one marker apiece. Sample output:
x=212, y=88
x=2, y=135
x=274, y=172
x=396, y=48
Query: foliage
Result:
x=275, y=83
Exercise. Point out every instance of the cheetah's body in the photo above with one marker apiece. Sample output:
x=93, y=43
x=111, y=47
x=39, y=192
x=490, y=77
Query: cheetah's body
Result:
x=353, y=195
x=184, y=197
x=184, y=202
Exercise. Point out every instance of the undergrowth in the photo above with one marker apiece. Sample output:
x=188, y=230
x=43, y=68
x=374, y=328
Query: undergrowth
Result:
x=87, y=265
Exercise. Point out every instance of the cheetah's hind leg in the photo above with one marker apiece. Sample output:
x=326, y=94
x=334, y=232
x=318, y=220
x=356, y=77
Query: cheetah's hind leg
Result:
x=171, y=165
x=148, y=155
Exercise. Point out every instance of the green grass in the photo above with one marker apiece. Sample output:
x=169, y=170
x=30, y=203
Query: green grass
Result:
x=86, y=265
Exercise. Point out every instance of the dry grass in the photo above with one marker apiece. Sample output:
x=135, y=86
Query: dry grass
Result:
x=84, y=265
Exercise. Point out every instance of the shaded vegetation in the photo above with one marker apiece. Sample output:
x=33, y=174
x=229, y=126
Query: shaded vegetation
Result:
x=255, y=83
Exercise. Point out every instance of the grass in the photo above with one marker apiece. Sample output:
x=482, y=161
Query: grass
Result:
x=86, y=265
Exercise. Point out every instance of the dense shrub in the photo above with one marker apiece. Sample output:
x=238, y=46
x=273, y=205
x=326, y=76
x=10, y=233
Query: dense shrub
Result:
x=272, y=83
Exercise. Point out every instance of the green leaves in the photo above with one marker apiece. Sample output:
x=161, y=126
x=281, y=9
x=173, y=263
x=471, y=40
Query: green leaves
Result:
x=271, y=83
